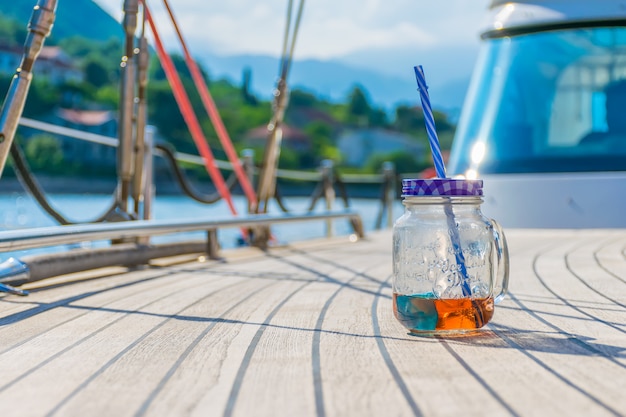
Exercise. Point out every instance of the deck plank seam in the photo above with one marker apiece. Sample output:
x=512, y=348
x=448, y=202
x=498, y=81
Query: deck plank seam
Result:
x=66, y=349
x=566, y=302
x=328, y=278
x=558, y=375
x=601, y=265
x=417, y=412
x=132, y=345
x=234, y=393
x=172, y=370
x=83, y=339
x=315, y=348
x=132, y=294
x=584, y=282
x=477, y=377
x=572, y=337
x=42, y=308
x=343, y=267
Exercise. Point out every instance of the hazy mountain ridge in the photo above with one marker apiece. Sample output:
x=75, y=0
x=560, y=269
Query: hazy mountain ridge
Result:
x=73, y=17
x=387, y=74
x=333, y=80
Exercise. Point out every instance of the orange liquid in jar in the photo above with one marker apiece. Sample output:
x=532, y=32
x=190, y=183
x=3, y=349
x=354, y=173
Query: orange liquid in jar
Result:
x=423, y=312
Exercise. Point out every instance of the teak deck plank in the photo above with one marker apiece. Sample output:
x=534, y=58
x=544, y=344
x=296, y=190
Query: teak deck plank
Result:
x=308, y=330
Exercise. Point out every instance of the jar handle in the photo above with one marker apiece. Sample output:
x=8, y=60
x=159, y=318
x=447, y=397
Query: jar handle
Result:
x=502, y=277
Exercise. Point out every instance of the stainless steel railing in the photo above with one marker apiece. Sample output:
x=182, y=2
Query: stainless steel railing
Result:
x=16, y=272
x=325, y=174
x=61, y=235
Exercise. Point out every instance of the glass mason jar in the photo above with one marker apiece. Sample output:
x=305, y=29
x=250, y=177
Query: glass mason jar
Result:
x=450, y=262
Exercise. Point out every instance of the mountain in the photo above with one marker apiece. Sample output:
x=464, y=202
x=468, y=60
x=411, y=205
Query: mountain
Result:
x=333, y=79
x=386, y=74
x=73, y=17
x=440, y=63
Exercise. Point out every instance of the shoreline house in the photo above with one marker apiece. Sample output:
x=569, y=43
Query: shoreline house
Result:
x=358, y=146
x=293, y=138
x=101, y=122
x=52, y=64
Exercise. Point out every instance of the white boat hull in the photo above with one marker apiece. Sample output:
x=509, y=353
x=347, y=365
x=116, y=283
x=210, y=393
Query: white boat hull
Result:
x=563, y=200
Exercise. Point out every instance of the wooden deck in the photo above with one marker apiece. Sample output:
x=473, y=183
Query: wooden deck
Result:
x=307, y=330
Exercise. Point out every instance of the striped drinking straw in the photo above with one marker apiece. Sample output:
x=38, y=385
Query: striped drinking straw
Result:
x=430, y=122
x=441, y=173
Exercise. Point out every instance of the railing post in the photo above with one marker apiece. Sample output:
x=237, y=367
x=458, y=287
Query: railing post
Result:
x=259, y=235
x=143, y=206
x=212, y=245
x=389, y=174
x=247, y=156
x=329, y=191
x=148, y=172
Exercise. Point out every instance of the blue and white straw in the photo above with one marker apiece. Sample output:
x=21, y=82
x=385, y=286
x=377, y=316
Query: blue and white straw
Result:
x=430, y=122
x=441, y=173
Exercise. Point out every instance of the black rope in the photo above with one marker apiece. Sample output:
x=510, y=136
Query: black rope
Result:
x=279, y=200
x=170, y=155
x=30, y=184
x=341, y=187
x=343, y=191
x=317, y=193
x=384, y=190
x=28, y=181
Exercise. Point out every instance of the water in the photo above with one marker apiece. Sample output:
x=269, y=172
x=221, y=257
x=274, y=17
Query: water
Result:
x=426, y=312
x=20, y=211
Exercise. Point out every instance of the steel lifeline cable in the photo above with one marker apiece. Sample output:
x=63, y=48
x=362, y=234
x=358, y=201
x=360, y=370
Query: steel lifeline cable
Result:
x=211, y=108
x=190, y=118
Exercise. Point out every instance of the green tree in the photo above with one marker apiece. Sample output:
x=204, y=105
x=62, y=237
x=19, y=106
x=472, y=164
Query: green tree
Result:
x=108, y=54
x=42, y=97
x=289, y=159
x=322, y=146
x=96, y=72
x=12, y=32
x=246, y=90
x=44, y=153
x=404, y=163
x=108, y=96
x=166, y=116
x=72, y=95
x=158, y=73
x=301, y=98
x=378, y=118
x=359, y=108
x=442, y=122
x=409, y=119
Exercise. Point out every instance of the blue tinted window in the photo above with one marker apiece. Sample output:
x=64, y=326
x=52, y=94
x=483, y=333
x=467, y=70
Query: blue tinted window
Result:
x=537, y=103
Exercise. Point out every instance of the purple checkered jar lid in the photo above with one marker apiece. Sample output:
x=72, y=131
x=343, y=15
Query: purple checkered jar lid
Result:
x=441, y=187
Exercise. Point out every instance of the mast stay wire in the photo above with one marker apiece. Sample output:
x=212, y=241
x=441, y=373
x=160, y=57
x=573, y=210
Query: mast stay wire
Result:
x=188, y=114
x=287, y=59
x=267, y=177
x=211, y=109
x=283, y=53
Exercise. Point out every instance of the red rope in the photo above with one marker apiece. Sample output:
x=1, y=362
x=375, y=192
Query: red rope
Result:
x=211, y=108
x=190, y=118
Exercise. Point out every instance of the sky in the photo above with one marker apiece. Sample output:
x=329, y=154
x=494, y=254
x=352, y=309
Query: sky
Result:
x=329, y=29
